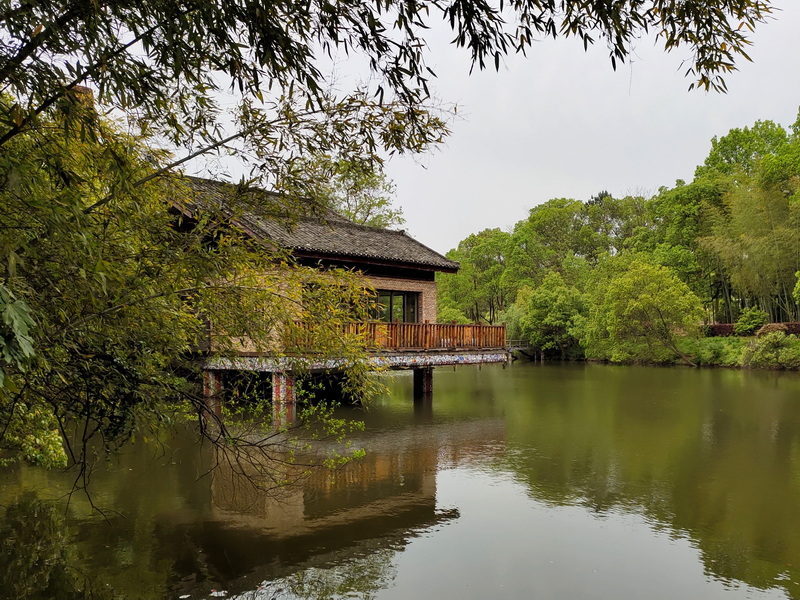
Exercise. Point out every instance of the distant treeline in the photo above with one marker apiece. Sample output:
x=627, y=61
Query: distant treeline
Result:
x=635, y=278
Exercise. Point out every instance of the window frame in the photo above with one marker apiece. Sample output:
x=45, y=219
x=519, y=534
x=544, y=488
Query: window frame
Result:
x=388, y=301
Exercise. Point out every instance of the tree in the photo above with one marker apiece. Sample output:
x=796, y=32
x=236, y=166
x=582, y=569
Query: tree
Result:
x=610, y=224
x=729, y=233
x=549, y=315
x=680, y=218
x=360, y=191
x=639, y=312
x=755, y=238
x=16, y=344
x=477, y=290
x=562, y=227
x=741, y=149
x=782, y=168
x=542, y=242
x=556, y=225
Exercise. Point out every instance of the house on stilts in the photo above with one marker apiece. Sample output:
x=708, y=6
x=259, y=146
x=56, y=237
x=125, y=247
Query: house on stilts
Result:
x=403, y=334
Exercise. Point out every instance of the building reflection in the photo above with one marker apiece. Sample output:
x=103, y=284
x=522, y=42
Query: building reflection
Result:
x=361, y=513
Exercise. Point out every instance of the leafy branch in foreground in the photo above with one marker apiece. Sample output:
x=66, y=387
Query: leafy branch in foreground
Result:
x=103, y=317
x=164, y=58
x=185, y=70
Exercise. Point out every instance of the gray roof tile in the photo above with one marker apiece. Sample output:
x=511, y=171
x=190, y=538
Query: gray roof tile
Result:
x=323, y=232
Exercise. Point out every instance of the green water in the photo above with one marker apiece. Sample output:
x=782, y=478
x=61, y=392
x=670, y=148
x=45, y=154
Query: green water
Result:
x=565, y=481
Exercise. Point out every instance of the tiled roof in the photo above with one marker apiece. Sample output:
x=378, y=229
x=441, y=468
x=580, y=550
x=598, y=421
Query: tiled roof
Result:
x=324, y=233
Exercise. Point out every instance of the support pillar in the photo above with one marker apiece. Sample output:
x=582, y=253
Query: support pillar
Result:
x=284, y=409
x=423, y=385
x=212, y=391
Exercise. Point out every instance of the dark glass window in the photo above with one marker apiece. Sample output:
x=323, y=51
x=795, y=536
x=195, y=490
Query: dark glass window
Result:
x=397, y=306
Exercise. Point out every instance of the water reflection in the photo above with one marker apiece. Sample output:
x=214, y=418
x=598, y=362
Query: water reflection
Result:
x=711, y=455
x=564, y=481
x=36, y=556
x=353, y=516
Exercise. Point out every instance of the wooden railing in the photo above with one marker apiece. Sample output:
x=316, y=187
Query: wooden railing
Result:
x=429, y=336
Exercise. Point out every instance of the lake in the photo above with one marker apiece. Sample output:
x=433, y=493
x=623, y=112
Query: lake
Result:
x=532, y=481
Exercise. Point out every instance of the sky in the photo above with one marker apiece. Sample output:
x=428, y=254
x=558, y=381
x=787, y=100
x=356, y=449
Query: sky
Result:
x=562, y=123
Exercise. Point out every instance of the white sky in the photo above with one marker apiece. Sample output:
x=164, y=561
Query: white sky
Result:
x=562, y=124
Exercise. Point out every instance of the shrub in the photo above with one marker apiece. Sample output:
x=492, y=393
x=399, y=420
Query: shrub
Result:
x=719, y=330
x=749, y=320
x=774, y=350
x=772, y=328
x=715, y=351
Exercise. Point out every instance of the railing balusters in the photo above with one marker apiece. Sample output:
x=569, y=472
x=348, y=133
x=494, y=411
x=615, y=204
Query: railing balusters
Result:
x=413, y=336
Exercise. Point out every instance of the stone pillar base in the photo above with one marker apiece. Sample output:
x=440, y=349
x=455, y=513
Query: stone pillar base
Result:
x=284, y=409
x=423, y=385
x=212, y=391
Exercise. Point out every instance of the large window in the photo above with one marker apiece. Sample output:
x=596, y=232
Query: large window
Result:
x=398, y=306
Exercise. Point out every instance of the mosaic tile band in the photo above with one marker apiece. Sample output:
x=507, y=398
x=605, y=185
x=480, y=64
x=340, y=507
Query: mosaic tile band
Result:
x=386, y=361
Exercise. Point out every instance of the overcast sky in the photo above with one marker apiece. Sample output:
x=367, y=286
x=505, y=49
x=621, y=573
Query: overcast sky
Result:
x=562, y=124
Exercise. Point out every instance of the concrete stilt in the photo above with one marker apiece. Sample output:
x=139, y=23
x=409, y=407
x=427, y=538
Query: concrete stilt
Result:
x=423, y=385
x=212, y=391
x=284, y=409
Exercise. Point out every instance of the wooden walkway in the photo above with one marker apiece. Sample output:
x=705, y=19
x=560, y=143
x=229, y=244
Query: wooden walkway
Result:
x=523, y=347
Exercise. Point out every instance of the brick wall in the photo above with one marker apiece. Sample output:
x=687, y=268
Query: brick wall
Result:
x=426, y=289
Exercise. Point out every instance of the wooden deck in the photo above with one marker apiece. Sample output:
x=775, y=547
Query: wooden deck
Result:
x=389, y=345
x=429, y=336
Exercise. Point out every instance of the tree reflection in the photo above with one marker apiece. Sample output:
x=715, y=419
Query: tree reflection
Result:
x=717, y=464
x=36, y=557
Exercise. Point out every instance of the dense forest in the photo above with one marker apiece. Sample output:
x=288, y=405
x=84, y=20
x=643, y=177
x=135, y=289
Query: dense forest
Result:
x=647, y=279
